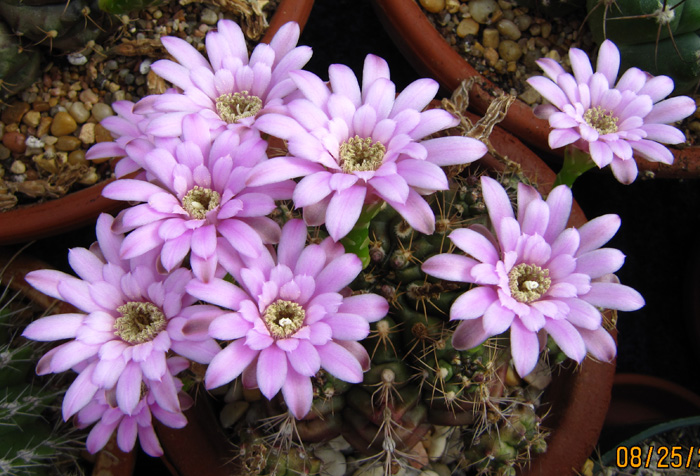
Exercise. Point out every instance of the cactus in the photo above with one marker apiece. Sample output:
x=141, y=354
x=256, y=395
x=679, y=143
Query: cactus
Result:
x=33, y=440
x=658, y=36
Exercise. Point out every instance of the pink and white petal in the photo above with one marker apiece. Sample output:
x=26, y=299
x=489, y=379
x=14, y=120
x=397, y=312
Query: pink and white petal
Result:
x=653, y=151
x=473, y=304
x=469, y=334
x=343, y=81
x=79, y=394
x=600, y=153
x=597, y=263
x=416, y=212
x=452, y=150
x=562, y=137
x=229, y=363
x=298, y=393
x=338, y=273
x=280, y=169
x=149, y=441
x=536, y=218
x=305, y=358
x=99, y=436
x=373, y=68
x=416, y=96
x=524, y=348
x=348, y=326
x=583, y=315
x=625, y=171
x=392, y=188
x=567, y=338
x=380, y=97
x=271, y=370
x=422, y=174
x=129, y=388
x=68, y=355
x=218, y=292
x=599, y=343
x=614, y=296
x=126, y=434
x=671, y=110
x=663, y=133
x=549, y=90
x=580, y=64
x=371, y=307
x=450, y=267
x=608, y=61
x=550, y=67
x=340, y=363
x=311, y=86
x=344, y=210
x=56, y=327
x=475, y=244
x=242, y=237
x=497, y=201
x=597, y=232
x=184, y=53
x=497, y=319
x=175, y=250
x=657, y=88
x=229, y=326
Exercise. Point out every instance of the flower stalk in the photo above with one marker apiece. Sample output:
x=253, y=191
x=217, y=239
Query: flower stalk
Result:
x=576, y=163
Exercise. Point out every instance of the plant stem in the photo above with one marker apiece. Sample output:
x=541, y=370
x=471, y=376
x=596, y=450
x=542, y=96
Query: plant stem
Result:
x=576, y=162
x=357, y=241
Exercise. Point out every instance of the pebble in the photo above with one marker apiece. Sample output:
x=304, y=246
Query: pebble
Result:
x=210, y=17
x=67, y=143
x=509, y=50
x=15, y=112
x=63, y=124
x=79, y=112
x=34, y=142
x=481, y=10
x=101, y=110
x=41, y=106
x=32, y=118
x=491, y=56
x=77, y=157
x=88, y=96
x=530, y=96
x=467, y=27
x=433, y=6
x=4, y=153
x=102, y=134
x=18, y=167
x=491, y=38
x=44, y=126
x=509, y=30
x=523, y=22
x=15, y=141
x=87, y=133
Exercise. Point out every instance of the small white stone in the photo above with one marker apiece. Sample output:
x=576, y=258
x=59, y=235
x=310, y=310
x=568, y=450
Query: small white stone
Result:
x=77, y=59
x=145, y=66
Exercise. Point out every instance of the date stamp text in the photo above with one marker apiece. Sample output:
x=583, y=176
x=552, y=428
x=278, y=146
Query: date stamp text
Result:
x=657, y=457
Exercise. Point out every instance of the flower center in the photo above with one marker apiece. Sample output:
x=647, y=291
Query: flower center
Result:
x=139, y=322
x=358, y=154
x=199, y=201
x=601, y=120
x=528, y=282
x=284, y=318
x=234, y=107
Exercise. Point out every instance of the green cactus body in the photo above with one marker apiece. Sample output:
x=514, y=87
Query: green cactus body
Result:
x=61, y=25
x=18, y=67
x=126, y=6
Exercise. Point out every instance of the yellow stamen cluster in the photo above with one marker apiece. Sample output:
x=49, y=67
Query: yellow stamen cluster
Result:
x=199, y=201
x=601, y=120
x=357, y=154
x=139, y=322
x=528, y=282
x=234, y=107
x=284, y=318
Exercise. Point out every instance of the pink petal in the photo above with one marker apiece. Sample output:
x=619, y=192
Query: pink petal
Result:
x=524, y=347
x=614, y=296
x=298, y=393
x=344, y=210
x=599, y=343
x=129, y=388
x=473, y=304
x=475, y=244
x=416, y=212
x=271, y=370
x=229, y=363
x=567, y=338
x=305, y=359
x=450, y=267
x=372, y=307
x=454, y=150
x=469, y=334
x=340, y=363
x=56, y=327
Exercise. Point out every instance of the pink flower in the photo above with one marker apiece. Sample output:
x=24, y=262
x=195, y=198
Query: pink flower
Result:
x=197, y=197
x=356, y=146
x=611, y=121
x=229, y=89
x=534, y=275
x=289, y=318
x=130, y=138
x=109, y=417
x=131, y=317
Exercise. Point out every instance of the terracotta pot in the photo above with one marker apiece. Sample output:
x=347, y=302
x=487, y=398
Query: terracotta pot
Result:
x=81, y=208
x=428, y=52
x=577, y=399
